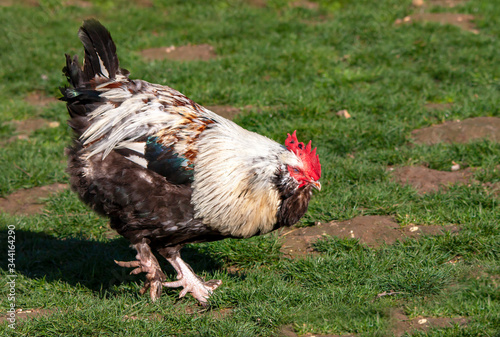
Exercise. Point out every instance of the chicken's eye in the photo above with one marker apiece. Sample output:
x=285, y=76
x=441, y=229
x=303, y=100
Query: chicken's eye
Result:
x=295, y=170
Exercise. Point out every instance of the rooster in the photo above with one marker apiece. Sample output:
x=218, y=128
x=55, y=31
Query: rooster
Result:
x=167, y=171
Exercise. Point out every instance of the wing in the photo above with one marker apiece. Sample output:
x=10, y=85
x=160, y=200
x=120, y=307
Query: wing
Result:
x=152, y=125
x=172, y=151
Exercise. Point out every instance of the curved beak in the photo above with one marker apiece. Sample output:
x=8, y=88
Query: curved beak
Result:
x=316, y=185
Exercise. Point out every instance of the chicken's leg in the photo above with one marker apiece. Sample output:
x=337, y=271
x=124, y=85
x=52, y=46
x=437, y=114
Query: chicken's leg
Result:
x=146, y=263
x=186, y=278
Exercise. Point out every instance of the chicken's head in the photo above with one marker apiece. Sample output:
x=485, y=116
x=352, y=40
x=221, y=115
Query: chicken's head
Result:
x=309, y=169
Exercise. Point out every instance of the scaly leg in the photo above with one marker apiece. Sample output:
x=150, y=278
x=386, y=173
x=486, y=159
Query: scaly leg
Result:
x=146, y=263
x=187, y=279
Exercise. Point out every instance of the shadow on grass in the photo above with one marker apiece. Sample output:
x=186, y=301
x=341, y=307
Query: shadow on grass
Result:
x=87, y=262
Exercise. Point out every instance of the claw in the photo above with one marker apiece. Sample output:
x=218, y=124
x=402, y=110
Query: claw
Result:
x=191, y=282
x=186, y=278
x=146, y=263
x=183, y=292
x=144, y=289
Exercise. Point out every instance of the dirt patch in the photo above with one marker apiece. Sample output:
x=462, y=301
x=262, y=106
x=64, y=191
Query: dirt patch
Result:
x=257, y=3
x=317, y=20
x=493, y=188
x=464, y=21
x=316, y=335
x=478, y=273
x=28, y=314
x=155, y=317
x=27, y=201
x=225, y=111
x=438, y=106
x=294, y=4
x=202, y=52
x=288, y=331
x=459, y=131
x=426, y=180
x=402, y=324
x=444, y=3
x=29, y=3
x=144, y=3
x=218, y=314
x=25, y=127
x=39, y=98
x=304, y=4
x=78, y=3
x=222, y=313
x=371, y=230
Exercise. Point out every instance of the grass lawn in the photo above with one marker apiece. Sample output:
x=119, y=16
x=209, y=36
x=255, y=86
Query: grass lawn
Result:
x=286, y=66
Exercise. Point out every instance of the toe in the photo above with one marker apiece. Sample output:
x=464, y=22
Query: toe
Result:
x=175, y=284
x=184, y=292
x=128, y=264
x=145, y=288
x=155, y=290
x=212, y=284
x=136, y=271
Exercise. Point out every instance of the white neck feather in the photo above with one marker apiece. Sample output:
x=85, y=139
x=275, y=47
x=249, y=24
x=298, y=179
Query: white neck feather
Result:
x=233, y=183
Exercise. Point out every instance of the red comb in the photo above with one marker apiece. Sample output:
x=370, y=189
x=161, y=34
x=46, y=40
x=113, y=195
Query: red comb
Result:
x=309, y=158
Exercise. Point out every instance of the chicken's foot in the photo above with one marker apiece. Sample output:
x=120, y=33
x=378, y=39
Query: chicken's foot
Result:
x=146, y=263
x=192, y=283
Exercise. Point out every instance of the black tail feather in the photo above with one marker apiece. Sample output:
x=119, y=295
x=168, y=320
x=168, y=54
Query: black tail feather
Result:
x=100, y=58
x=73, y=71
x=101, y=65
x=100, y=51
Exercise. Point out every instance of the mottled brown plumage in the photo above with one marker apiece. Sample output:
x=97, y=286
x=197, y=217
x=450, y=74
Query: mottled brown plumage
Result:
x=167, y=171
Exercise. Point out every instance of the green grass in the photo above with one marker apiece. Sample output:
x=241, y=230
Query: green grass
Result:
x=295, y=75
